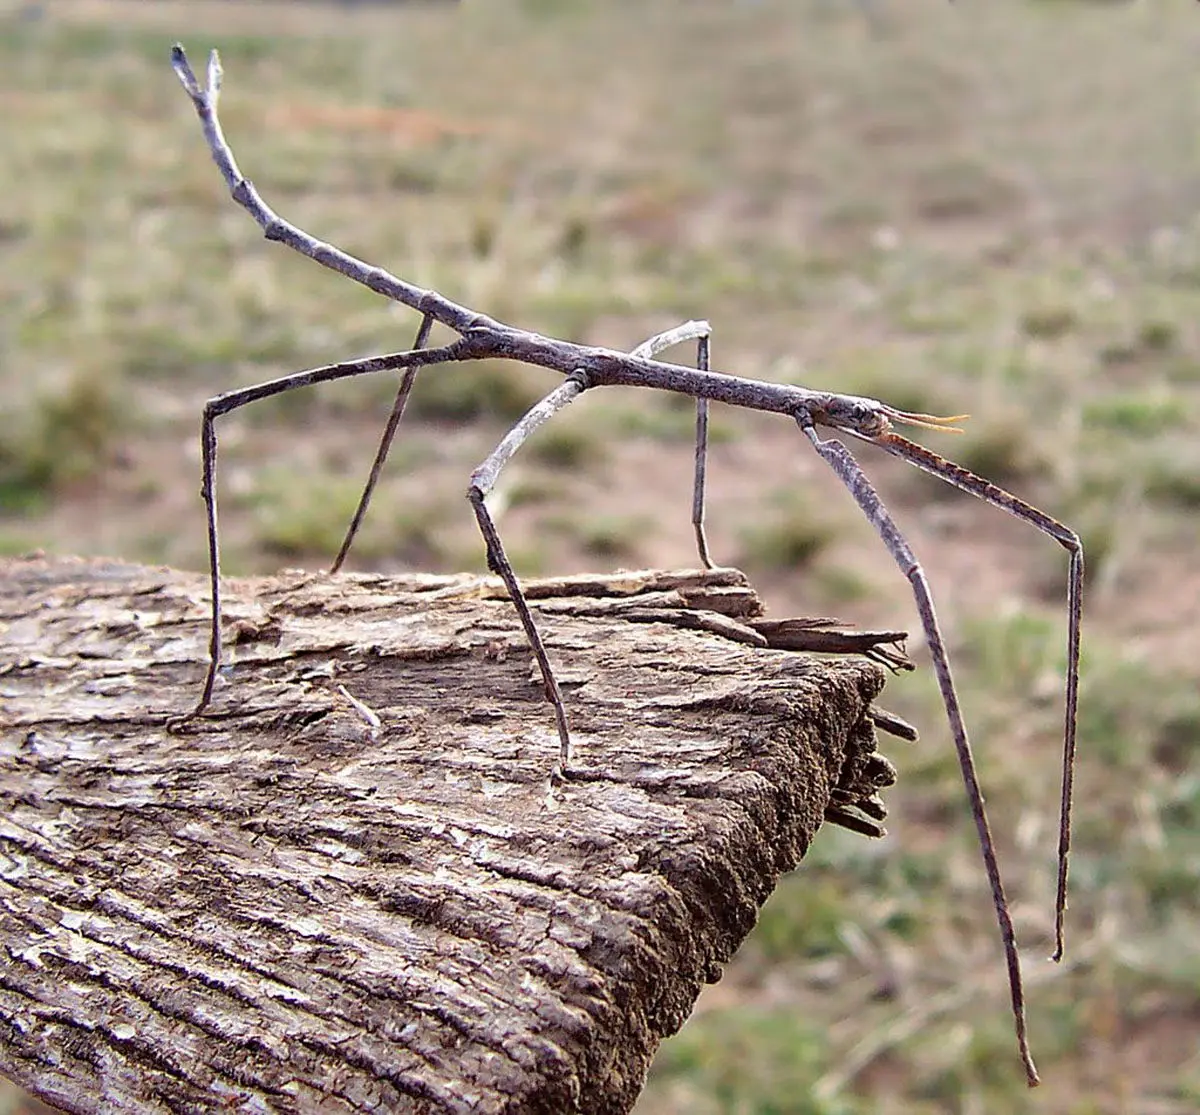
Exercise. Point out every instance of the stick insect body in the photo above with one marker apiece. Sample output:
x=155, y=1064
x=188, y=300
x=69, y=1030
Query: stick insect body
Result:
x=586, y=367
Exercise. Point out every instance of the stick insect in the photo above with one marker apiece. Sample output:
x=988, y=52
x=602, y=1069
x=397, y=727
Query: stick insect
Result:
x=585, y=367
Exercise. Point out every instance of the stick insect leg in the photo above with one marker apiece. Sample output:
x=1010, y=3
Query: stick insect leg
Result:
x=974, y=485
x=233, y=400
x=852, y=476
x=700, y=332
x=483, y=479
x=385, y=445
x=701, y=460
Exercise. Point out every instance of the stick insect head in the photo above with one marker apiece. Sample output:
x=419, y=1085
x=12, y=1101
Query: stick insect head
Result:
x=871, y=419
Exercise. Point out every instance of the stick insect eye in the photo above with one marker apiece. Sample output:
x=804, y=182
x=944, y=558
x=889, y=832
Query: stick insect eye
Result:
x=869, y=420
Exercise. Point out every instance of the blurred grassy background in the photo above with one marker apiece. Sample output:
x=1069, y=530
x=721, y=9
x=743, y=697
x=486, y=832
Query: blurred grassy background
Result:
x=974, y=207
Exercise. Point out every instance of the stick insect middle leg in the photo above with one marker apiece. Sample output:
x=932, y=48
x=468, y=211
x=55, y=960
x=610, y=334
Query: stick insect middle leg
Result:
x=700, y=332
x=701, y=467
x=484, y=478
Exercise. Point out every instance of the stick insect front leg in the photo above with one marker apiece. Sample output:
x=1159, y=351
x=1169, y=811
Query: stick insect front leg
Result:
x=840, y=459
x=234, y=400
x=871, y=421
x=1068, y=539
x=991, y=493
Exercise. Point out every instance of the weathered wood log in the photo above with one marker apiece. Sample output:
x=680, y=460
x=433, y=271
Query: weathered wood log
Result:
x=351, y=886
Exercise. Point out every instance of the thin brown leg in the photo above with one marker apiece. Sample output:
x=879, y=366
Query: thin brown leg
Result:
x=233, y=400
x=699, y=331
x=700, y=475
x=385, y=445
x=852, y=476
x=483, y=479
x=968, y=482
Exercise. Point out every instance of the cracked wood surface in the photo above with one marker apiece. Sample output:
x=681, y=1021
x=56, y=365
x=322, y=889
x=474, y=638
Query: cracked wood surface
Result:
x=351, y=886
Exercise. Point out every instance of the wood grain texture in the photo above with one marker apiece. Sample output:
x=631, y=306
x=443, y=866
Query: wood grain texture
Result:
x=351, y=887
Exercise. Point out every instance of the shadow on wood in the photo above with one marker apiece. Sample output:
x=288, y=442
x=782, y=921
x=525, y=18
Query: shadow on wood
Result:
x=351, y=886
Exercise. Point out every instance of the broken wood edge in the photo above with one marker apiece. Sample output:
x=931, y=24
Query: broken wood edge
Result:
x=352, y=886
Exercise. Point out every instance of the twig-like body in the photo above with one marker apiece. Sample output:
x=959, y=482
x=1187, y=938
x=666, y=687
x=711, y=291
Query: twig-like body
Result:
x=480, y=337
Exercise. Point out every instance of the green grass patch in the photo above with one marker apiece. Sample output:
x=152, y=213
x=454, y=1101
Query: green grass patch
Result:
x=307, y=519
x=1139, y=414
x=488, y=390
x=570, y=446
x=612, y=538
x=61, y=436
x=749, y=1059
x=790, y=534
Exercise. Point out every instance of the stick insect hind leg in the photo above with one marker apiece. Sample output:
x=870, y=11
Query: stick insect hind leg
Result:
x=385, y=444
x=234, y=400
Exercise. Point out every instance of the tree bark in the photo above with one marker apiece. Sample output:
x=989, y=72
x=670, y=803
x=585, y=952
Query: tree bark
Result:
x=350, y=886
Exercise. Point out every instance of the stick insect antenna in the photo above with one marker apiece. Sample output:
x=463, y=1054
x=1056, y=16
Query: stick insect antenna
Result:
x=848, y=470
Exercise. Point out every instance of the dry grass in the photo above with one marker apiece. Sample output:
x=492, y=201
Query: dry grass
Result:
x=977, y=207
